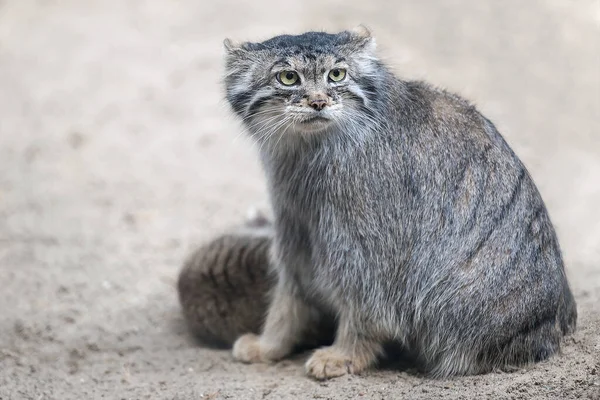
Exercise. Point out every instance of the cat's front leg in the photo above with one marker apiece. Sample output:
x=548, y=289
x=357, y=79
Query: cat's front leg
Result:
x=286, y=321
x=352, y=352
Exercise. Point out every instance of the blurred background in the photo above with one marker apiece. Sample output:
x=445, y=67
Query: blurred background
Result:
x=118, y=156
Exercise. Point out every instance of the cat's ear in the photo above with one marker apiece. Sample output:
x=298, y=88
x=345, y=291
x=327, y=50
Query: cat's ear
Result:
x=364, y=39
x=236, y=58
x=230, y=45
x=361, y=31
x=234, y=50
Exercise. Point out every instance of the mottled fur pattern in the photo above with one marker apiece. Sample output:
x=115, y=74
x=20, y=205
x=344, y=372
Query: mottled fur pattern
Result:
x=400, y=210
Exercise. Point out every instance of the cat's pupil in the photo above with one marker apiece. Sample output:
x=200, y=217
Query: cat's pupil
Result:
x=289, y=75
x=336, y=72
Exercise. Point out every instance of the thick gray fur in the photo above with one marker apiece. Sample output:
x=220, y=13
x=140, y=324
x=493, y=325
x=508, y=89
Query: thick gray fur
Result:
x=402, y=211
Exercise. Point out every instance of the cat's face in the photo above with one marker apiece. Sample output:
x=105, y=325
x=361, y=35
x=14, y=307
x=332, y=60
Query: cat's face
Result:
x=301, y=84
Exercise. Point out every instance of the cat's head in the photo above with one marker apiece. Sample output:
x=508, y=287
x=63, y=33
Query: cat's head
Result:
x=302, y=84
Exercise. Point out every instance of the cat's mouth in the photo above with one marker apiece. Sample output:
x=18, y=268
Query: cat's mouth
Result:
x=315, y=119
x=314, y=124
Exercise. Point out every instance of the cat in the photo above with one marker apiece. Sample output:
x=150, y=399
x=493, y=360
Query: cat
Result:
x=399, y=211
x=224, y=286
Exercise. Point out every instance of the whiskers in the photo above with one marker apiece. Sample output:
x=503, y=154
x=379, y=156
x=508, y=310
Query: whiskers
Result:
x=251, y=123
x=349, y=122
x=265, y=128
x=355, y=125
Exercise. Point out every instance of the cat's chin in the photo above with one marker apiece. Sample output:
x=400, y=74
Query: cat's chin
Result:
x=313, y=125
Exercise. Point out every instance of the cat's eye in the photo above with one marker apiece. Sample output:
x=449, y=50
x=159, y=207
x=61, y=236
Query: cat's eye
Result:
x=337, y=74
x=288, y=78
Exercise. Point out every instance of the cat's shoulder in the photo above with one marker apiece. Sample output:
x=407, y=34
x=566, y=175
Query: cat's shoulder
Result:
x=440, y=102
x=437, y=109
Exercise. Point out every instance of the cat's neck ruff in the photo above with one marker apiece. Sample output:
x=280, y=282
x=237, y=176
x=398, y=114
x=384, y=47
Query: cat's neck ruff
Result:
x=336, y=139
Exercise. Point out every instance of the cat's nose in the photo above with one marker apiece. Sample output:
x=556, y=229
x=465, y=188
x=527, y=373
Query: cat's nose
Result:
x=318, y=101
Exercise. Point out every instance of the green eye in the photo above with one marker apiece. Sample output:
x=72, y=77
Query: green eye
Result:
x=288, y=78
x=337, y=74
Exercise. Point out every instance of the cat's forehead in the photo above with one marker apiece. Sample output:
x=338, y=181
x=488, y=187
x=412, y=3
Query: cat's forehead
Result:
x=309, y=44
x=310, y=51
x=309, y=62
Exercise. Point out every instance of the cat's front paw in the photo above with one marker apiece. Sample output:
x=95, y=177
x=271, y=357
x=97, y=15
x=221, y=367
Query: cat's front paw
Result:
x=329, y=363
x=249, y=349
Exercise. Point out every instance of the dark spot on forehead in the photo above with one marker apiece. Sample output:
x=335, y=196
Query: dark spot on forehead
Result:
x=313, y=43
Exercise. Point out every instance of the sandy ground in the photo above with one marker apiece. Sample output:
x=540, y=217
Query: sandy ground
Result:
x=118, y=156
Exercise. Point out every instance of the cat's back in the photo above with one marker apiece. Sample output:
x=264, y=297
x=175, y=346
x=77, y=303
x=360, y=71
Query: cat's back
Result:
x=463, y=169
x=443, y=143
x=477, y=199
